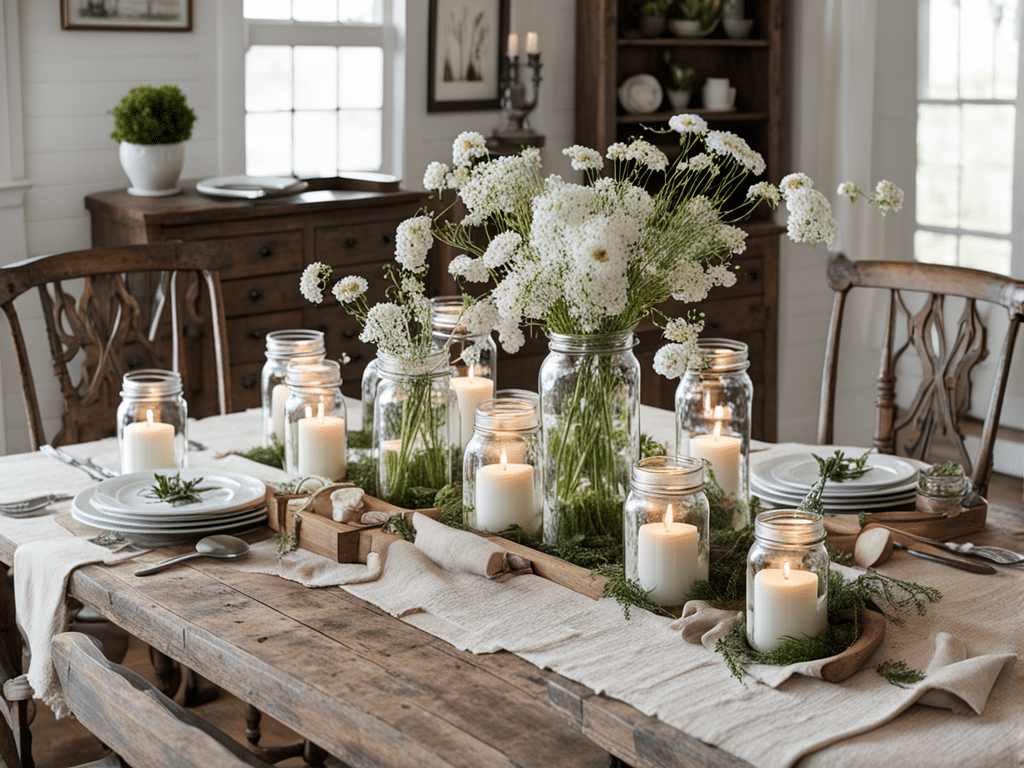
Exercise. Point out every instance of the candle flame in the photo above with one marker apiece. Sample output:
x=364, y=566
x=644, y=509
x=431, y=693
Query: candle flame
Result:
x=149, y=417
x=320, y=411
x=504, y=461
x=785, y=569
x=719, y=412
x=718, y=429
x=309, y=412
x=669, y=518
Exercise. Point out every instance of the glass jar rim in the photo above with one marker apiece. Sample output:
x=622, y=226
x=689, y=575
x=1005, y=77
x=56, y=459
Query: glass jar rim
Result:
x=505, y=414
x=446, y=314
x=434, y=364
x=722, y=355
x=792, y=527
x=322, y=374
x=668, y=474
x=149, y=383
x=298, y=342
x=607, y=343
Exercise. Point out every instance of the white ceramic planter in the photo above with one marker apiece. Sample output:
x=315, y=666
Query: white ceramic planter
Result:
x=678, y=99
x=153, y=169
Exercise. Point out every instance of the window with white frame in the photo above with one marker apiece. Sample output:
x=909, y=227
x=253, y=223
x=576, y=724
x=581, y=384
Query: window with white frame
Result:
x=318, y=81
x=967, y=129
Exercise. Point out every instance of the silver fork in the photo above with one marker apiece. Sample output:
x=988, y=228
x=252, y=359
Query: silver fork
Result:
x=995, y=554
x=26, y=507
x=95, y=472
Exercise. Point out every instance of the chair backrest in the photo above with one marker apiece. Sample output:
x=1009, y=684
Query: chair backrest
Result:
x=118, y=324
x=944, y=394
x=129, y=715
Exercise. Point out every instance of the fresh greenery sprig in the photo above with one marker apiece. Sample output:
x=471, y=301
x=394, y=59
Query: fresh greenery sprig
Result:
x=287, y=542
x=946, y=469
x=897, y=674
x=844, y=468
x=176, y=491
x=399, y=523
x=627, y=593
x=272, y=456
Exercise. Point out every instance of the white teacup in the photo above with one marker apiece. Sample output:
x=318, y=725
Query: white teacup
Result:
x=716, y=93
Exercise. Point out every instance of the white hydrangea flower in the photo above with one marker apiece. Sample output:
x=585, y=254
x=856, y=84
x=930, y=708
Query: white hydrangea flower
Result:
x=688, y=124
x=412, y=241
x=849, y=189
x=721, y=274
x=468, y=146
x=584, y=158
x=810, y=217
x=888, y=196
x=501, y=248
x=313, y=281
x=469, y=269
x=766, y=191
x=436, y=176
x=350, y=288
x=730, y=145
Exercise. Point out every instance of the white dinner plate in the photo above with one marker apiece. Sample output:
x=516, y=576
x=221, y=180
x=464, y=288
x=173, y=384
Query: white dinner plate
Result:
x=251, y=187
x=841, y=505
x=833, y=490
x=798, y=470
x=229, y=491
x=83, y=511
x=641, y=94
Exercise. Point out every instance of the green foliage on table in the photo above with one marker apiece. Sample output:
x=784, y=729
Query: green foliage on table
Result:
x=651, y=447
x=175, y=491
x=399, y=523
x=842, y=468
x=272, y=456
x=287, y=542
x=897, y=673
x=946, y=469
x=627, y=592
x=362, y=438
x=153, y=115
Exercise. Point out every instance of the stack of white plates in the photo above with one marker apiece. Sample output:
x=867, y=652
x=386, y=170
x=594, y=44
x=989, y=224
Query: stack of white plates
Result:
x=126, y=505
x=785, y=479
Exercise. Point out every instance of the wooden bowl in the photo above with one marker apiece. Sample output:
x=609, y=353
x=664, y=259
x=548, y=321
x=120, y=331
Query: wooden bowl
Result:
x=842, y=666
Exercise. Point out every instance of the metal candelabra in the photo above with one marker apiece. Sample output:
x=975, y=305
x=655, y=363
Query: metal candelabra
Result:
x=513, y=98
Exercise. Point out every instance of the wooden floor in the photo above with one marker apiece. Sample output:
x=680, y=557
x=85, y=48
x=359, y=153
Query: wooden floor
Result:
x=64, y=743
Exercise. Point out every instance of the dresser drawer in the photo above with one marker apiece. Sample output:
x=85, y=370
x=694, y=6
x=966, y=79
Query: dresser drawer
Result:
x=262, y=295
x=247, y=336
x=357, y=243
x=749, y=279
x=729, y=317
x=263, y=254
x=245, y=387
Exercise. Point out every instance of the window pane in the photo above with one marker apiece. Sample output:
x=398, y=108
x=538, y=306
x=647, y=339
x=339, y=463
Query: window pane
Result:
x=316, y=143
x=359, y=140
x=938, y=195
x=986, y=253
x=316, y=73
x=266, y=9
x=268, y=141
x=361, y=77
x=268, y=78
x=988, y=53
x=359, y=11
x=938, y=134
x=315, y=10
x=935, y=248
x=943, y=44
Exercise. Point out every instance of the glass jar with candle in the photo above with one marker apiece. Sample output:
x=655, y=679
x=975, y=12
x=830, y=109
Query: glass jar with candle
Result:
x=713, y=406
x=152, y=421
x=787, y=578
x=474, y=359
x=502, y=472
x=282, y=348
x=315, y=420
x=666, y=528
x=415, y=425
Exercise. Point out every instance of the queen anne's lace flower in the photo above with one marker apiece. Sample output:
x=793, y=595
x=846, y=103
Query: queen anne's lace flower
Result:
x=702, y=162
x=794, y=182
x=647, y=154
x=349, y=288
x=720, y=274
x=468, y=146
x=584, y=158
x=387, y=326
x=734, y=238
x=413, y=240
x=849, y=189
x=688, y=124
x=810, y=217
x=436, y=176
x=617, y=151
x=313, y=281
x=763, y=190
x=673, y=360
x=501, y=248
x=731, y=145
x=469, y=269
x=888, y=196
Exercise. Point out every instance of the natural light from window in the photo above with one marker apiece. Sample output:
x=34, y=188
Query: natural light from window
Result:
x=313, y=109
x=965, y=133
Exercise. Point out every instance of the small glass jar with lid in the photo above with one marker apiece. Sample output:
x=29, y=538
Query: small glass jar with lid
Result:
x=787, y=578
x=666, y=522
x=282, y=348
x=152, y=421
x=713, y=404
x=315, y=420
x=942, y=488
x=474, y=359
x=503, y=468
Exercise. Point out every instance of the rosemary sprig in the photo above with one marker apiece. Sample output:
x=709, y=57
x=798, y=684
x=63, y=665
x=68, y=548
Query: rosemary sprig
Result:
x=843, y=468
x=946, y=469
x=176, y=491
x=897, y=674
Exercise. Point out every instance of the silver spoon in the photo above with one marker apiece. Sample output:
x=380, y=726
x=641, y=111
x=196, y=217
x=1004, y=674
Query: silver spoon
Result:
x=222, y=546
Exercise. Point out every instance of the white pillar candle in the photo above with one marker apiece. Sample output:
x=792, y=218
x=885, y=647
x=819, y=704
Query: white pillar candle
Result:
x=667, y=563
x=785, y=604
x=278, y=396
x=147, y=445
x=504, y=495
x=513, y=44
x=321, y=445
x=532, y=43
x=470, y=391
x=723, y=451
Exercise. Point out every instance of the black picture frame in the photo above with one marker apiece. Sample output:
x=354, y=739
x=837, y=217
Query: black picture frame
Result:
x=465, y=54
x=161, y=16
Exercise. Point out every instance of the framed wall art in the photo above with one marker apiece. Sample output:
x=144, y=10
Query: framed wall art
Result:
x=153, y=15
x=465, y=54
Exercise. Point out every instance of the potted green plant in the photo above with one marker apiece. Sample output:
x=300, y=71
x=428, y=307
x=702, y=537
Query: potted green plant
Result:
x=682, y=82
x=696, y=18
x=151, y=123
x=652, y=17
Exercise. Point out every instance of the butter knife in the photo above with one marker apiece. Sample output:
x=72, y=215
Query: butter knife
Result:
x=963, y=565
x=95, y=473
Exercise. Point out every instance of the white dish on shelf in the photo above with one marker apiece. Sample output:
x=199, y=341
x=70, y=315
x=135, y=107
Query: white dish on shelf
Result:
x=251, y=187
x=641, y=94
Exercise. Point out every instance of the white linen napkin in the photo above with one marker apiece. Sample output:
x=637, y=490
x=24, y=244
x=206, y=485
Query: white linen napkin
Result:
x=465, y=552
x=307, y=568
x=41, y=572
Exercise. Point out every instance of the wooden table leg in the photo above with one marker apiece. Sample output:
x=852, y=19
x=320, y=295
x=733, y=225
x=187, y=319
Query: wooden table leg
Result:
x=15, y=736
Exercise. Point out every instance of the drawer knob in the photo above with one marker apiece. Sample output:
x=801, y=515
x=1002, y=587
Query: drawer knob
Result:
x=133, y=362
x=255, y=334
x=351, y=242
x=753, y=275
x=386, y=239
x=255, y=296
x=349, y=333
x=266, y=252
x=250, y=381
x=355, y=357
x=712, y=325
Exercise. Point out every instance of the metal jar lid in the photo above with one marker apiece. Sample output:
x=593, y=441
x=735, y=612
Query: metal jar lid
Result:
x=323, y=374
x=668, y=474
x=296, y=343
x=150, y=384
x=792, y=527
x=505, y=415
x=723, y=355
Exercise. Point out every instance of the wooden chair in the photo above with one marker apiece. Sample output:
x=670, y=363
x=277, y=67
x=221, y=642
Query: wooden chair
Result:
x=944, y=394
x=117, y=325
x=128, y=714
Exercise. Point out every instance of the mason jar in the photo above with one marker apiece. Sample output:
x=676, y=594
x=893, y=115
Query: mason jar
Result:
x=474, y=359
x=152, y=421
x=787, y=578
x=941, y=494
x=368, y=393
x=713, y=404
x=315, y=420
x=282, y=348
x=503, y=469
x=590, y=429
x=415, y=426
x=666, y=532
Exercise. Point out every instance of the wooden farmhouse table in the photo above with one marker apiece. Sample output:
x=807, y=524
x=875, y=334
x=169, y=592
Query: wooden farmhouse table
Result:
x=368, y=688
